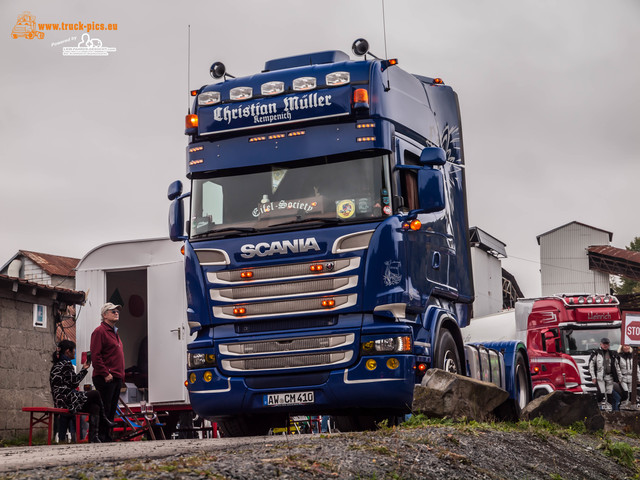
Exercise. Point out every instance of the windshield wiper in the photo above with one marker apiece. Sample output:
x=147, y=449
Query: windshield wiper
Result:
x=211, y=233
x=323, y=221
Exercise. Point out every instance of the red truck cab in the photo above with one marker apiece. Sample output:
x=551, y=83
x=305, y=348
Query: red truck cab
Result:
x=562, y=332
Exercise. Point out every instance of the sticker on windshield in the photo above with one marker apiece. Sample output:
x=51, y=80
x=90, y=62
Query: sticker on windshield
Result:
x=266, y=206
x=345, y=208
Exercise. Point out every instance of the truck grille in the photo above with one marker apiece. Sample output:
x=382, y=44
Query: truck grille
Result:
x=287, y=361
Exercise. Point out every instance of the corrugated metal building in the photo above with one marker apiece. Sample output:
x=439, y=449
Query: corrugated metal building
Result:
x=564, y=263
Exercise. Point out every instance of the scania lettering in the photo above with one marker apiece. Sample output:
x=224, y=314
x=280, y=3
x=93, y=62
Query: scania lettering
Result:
x=266, y=249
x=327, y=260
x=560, y=332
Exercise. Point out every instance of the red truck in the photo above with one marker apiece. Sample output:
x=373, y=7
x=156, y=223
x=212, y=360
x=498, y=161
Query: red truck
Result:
x=560, y=332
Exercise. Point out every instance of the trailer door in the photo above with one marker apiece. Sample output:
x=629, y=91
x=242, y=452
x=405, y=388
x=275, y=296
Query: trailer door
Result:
x=167, y=333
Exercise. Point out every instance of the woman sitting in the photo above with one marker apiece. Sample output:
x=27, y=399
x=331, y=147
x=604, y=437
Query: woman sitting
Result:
x=64, y=383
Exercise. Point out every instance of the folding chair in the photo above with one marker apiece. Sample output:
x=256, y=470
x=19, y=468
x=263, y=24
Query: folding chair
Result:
x=135, y=424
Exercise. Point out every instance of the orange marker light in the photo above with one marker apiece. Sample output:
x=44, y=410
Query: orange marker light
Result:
x=360, y=95
x=316, y=267
x=422, y=367
x=438, y=81
x=246, y=274
x=191, y=120
x=328, y=303
x=416, y=225
x=194, y=93
x=239, y=311
x=182, y=250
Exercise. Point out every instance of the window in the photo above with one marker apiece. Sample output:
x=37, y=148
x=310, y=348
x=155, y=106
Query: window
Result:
x=409, y=181
x=40, y=316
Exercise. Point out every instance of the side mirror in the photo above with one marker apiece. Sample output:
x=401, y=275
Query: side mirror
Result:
x=433, y=156
x=431, y=190
x=176, y=220
x=175, y=190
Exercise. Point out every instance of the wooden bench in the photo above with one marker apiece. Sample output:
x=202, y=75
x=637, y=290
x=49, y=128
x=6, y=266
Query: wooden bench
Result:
x=44, y=415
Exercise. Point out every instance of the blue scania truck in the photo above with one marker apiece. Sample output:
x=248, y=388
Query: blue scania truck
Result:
x=326, y=245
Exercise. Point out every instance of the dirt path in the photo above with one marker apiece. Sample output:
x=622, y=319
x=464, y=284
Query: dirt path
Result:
x=442, y=452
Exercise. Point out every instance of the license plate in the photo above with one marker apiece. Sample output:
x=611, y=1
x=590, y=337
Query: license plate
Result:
x=297, y=398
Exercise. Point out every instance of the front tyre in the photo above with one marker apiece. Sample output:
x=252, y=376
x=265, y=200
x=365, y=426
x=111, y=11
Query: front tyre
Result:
x=447, y=356
x=522, y=384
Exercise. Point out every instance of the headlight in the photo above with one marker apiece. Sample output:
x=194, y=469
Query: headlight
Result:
x=200, y=360
x=387, y=345
x=208, y=98
x=241, y=93
x=337, y=78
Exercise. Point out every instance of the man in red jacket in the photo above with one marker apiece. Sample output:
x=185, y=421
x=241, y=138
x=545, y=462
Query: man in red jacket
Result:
x=107, y=357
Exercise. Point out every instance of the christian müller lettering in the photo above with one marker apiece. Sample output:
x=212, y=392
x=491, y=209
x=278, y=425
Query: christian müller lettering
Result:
x=268, y=112
x=299, y=245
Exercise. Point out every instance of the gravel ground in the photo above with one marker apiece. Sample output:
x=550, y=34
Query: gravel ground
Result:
x=427, y=452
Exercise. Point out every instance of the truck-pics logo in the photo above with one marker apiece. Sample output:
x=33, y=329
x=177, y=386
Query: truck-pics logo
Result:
x=26, y=27
x=299, y=245
x=88, y=47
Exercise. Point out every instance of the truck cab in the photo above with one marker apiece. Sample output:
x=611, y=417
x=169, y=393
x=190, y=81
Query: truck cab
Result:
x=562, y=332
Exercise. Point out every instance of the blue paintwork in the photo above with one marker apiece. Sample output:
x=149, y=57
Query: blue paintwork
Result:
x=428, y=270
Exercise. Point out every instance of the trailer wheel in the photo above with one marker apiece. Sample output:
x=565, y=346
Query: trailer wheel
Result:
x=447, y=357
x=522, y=384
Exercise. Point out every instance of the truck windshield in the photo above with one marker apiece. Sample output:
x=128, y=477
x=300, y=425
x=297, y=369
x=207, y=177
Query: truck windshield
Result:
x=583, y=342
x=325, y=190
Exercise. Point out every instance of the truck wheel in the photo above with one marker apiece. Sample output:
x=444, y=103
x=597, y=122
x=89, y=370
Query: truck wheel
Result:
x=447, y=357
x=522, y=384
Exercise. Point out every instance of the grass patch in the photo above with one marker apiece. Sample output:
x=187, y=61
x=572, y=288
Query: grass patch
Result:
x=622, y=452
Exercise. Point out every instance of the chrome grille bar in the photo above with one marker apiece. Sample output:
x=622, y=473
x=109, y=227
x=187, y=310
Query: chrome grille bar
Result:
x=283, y=362
x=325, y=285
x=287, y=345
x=281, y=272
x=285, y=307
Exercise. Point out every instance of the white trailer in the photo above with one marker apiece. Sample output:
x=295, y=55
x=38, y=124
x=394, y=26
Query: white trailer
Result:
x=146, y=277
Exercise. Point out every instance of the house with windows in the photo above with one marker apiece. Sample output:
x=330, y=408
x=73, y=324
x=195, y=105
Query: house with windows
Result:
x=51, y=270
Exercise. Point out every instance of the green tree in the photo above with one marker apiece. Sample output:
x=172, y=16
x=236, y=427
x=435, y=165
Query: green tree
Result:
x=627, y=285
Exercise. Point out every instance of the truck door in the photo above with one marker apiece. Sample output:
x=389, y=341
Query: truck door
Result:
x=167, y=333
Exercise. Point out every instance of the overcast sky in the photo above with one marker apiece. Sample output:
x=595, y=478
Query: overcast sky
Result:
x=549, y=92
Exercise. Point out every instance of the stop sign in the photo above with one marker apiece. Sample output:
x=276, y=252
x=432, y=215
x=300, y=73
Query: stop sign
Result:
x=631, y=328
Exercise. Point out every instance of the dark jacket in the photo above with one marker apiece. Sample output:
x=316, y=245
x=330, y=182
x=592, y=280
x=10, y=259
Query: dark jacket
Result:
x=107, y=355
x=64, y=381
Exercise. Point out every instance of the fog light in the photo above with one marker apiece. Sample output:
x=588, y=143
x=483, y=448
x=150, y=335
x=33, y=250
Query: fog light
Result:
x=192, y=377
x=207, y=376
x=393, y=363
x=371, y=364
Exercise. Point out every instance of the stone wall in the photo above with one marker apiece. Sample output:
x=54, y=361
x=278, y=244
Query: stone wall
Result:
x=25, y=361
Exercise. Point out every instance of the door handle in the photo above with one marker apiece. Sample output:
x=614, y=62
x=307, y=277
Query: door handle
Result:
x=177, y=330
